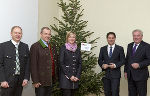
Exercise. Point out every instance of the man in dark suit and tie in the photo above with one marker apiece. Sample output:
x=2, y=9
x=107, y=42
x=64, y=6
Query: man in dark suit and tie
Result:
x=14, y=64
x=111, y=58
x=136, y=65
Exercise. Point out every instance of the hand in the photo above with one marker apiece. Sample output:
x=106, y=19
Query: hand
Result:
x=25, y=82
x=37, y=85
x=112, y=65
x=76, y=79
x=105, y=66
x=135, y=65
x=4, y=84
x=72, y=78
x=125, y=75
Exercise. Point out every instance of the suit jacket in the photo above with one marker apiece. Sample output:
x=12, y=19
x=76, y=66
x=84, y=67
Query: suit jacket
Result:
x=70, y=65
x=117, y=58
x=8, y=62
x=41, y=64
x=142, y=56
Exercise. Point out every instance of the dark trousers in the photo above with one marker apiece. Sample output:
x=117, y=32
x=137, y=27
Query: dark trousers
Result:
x=137, y=88
x=14, y=90
x=68, y=92
x=43, y=91
x=111, y=86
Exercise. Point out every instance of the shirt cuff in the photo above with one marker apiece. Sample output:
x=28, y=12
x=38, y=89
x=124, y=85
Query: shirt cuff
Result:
x=25, y=80
x=114, y=65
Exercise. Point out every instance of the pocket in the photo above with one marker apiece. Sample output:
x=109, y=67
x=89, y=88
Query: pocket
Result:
x=8, y=57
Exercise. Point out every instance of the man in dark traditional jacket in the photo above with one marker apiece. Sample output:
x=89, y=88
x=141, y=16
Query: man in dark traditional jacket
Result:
x=14, y=64
x=43, y=59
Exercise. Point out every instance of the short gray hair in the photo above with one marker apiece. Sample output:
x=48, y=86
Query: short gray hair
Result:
x=47, y=28
x=138, y=30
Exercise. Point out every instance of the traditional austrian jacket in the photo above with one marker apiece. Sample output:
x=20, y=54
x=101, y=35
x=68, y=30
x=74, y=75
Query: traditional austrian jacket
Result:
x=41, y=63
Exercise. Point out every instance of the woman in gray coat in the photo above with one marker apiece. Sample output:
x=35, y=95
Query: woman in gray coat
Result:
x=70, y=65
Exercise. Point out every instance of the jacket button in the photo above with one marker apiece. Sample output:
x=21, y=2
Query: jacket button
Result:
x=14, y=68
x=74, y=60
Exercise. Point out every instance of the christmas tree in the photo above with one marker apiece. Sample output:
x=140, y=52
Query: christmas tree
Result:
x=71, y=21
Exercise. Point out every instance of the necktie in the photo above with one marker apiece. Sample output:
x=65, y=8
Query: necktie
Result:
x=110, y=52
x=17, y=61
x=134, y=50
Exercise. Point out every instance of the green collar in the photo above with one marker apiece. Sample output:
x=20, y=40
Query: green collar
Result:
x=42, y=44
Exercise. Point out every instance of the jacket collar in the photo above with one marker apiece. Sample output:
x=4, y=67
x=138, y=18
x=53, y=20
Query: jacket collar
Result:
x=42, y=44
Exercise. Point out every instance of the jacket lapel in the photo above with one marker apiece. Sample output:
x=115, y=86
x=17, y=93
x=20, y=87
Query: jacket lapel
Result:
x=11, y=50
x=106, y=51
x=114, y=51
x=130, y=49
x=139, y=48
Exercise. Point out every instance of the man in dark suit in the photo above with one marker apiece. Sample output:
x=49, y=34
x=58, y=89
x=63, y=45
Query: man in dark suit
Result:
x=111, y=58
x=14, y=64
x=136, y=65
x=43, y=59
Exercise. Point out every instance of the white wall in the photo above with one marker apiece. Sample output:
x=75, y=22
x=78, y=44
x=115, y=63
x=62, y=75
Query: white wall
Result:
x=23, y=13
x=47, y=10
x=119, y=16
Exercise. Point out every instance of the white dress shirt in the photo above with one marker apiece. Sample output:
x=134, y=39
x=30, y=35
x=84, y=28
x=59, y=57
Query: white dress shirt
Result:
x=136, y=46
x=14, y=42
x=108, y=50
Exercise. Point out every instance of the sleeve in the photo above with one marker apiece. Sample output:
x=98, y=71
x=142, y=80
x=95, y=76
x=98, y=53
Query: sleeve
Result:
x=126, y=60
x=101, y=58
x=2, y=72
x=27, y=69
x=33, y=63
x=121, y=57
x=146, y=60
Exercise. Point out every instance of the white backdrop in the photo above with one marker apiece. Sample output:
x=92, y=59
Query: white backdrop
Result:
x=23, y=13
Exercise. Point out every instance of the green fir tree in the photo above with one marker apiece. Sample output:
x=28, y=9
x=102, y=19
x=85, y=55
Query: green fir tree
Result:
x=71, y=21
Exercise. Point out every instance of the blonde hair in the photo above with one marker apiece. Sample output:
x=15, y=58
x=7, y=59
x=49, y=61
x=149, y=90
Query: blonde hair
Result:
x=68, y=34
